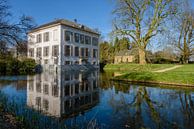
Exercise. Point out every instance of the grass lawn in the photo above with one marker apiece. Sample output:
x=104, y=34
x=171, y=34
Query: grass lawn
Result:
x=137, y=67
x=135, y=72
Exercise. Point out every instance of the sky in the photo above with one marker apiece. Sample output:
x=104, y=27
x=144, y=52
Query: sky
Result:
x=92, y=13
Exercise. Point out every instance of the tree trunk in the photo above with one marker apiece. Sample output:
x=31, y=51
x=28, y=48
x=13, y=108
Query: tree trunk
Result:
x=185, y=56
x=142, y=59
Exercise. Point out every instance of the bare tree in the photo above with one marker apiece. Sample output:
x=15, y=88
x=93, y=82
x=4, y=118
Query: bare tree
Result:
x=141, y=20
x=185, y=26
x=13, y=33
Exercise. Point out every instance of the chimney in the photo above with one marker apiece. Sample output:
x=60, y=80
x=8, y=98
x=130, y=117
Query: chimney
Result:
x=75, y=20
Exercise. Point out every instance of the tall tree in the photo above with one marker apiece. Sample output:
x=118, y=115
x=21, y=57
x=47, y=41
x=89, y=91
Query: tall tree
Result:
x=104, y=49
x=121, y=44
x=13, y=33
x=185, y=41
x=141, y=20
x=3, y=48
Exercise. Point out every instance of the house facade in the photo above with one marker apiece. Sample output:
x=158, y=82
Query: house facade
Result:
x=125, y=56
x=63, y=42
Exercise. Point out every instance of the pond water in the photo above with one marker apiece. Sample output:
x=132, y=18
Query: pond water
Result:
x=90, y=100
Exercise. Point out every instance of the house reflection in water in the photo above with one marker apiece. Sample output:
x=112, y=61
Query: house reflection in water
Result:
x=63, y=94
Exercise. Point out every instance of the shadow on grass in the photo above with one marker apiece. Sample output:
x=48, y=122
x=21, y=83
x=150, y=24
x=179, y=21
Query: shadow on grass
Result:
x=138, y=76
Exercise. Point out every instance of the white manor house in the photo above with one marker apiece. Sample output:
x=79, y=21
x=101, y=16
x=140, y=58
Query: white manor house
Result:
x=63, y=43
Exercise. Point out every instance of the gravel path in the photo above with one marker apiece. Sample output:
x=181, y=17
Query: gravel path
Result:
x=168, y=69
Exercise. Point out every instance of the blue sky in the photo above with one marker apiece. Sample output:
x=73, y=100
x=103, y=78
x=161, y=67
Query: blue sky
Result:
x=93, y=13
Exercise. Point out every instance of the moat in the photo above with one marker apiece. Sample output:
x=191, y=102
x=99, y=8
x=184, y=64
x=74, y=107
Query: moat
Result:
x=83, y=100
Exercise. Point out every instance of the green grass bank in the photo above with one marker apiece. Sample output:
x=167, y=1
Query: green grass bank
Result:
x=147, y=73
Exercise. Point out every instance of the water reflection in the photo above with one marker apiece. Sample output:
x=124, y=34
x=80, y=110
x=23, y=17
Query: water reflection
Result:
x=149, y=107
x=63, y=94
x=91, y=100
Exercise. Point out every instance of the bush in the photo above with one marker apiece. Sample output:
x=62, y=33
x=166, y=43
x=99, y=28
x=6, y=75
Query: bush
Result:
x=2, y=67
x=162, y=61
x=12, y=66
x=27, y=66
x=15, y=66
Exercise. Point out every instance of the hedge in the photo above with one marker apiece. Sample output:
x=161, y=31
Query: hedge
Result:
x=15, y=67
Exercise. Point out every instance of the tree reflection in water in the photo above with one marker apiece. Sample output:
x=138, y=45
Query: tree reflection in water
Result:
x=187, y=108
x=139, y=102
x=80, y=100
x=157, y=108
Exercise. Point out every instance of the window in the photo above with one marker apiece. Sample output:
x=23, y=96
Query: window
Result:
x=39, y=52
x=38, y=77
x=76, y=76
x=67, y=76
x=82, y=39
x=55, y=61
x=67, y=88
x=55, y=35
x=46, y=51
x=38, y=87
x=95, y=41
x=55, y=90
x=82, y=52
x=87, y=86
x=68, y=36
x=55, y=50
x=82, y=88
x=46, y=78
x=76, y=37
x=46, y=37
x=72, y=51
x=45, y=61
x=67, y=50
x=67, y=105
x=67, y=62
x=87, y=52
x=76, y=51
x=38, y=101
x=45, y=104
x=95, y=53
x=71, y=90
x=77, y=88
x=87, y=40
x=31, y=52
x=94, y=84
x=31, y=85
x=31, y=38
x=46, y=89
x=76, y=62
x=39, y=38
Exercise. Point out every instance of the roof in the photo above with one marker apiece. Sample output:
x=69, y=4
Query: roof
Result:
x=65, y=23
x=125, y=53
